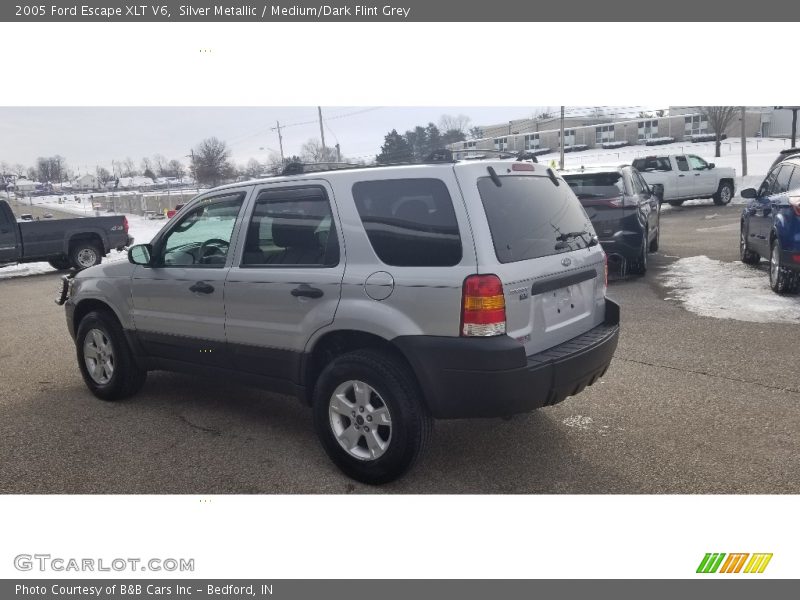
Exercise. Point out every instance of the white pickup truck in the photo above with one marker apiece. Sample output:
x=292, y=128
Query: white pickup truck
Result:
x=686, y=176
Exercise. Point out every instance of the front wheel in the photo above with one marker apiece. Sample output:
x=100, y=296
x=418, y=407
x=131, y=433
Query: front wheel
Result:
x=61, y=263
x=655, y=241
x=369, y=416
x=105, y=359
x=724, y=194
x=676, y=202
x=781, y=279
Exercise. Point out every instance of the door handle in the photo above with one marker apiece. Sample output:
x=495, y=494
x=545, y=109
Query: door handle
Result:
x=4, y=230
x=681, y=175
x=306, y=291
x=201, y=287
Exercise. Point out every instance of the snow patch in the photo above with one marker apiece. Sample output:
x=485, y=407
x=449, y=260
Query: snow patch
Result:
x=724, y=290
x=578, y=421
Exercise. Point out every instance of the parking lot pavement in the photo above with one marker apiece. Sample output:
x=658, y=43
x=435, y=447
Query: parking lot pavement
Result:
x=691, y=404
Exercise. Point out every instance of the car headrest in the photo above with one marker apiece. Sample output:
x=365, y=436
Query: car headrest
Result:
x=291, y=231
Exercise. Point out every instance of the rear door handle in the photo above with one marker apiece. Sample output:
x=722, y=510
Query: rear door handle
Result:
x=306, y=291
x=201, y=287
x=681, y=175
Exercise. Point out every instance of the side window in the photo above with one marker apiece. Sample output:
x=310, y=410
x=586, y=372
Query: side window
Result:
x=683, y=164
x=782, y=181
x=409, y=222
x=769, y=183
x=3, y=218
x=637, y=185
x=794, y=183
x=291, y=227
x=638, y=177
x=697, y=163
x=202, y=237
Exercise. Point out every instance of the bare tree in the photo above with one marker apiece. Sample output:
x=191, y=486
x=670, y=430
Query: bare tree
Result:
x=176, y=169
x=103, y=175
x=475, y=133
x=313, y=151
x=128, y=168
x=454, y=123
x=211, y=161
x=719, y=118
x=252, y=169
x=160, y=165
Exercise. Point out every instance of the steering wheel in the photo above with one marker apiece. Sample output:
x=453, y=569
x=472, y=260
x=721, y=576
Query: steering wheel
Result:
x=217, y=242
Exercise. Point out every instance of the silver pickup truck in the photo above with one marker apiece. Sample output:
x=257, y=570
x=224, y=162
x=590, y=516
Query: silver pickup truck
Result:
x=686, y=177
x=64, y=243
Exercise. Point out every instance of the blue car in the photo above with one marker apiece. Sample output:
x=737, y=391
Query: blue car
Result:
x=771, y=224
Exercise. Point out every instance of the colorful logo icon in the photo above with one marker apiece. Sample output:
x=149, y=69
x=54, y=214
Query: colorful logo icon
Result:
x=734, y=563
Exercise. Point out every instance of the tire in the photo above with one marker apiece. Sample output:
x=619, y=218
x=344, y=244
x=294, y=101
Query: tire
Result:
x=746, y=255
x=386, y=387
x=85, y=254
x=639, y=264
x=781, y=279
x=61, y=263
x=100, y=340
x=724, y=194
x=676, y=202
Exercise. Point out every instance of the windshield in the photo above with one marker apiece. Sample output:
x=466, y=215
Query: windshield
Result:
x=530, y=217
x=596, y=185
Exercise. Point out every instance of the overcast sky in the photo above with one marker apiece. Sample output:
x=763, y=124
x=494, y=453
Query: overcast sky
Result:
x=92, y=136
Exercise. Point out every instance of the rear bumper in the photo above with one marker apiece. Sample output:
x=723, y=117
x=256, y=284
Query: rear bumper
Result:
x=624, y=243
x=492, y=377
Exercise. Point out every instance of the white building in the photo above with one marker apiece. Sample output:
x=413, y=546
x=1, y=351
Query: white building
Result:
x=86, y=182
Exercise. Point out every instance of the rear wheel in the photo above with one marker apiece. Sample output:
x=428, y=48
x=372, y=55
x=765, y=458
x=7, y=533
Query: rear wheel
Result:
x=369, y=416
x=676, y=202
x=746, y=255
x=105, y=359
x=781, y=279
x=724, y=194
x=61, y=263
x=85, y=254
x=639, y=264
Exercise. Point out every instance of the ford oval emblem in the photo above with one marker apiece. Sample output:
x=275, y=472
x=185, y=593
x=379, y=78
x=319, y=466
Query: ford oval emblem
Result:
x=566, y=261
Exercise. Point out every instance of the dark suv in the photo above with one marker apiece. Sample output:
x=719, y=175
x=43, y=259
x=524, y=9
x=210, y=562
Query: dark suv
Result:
x=771, y=224
x=623, y=209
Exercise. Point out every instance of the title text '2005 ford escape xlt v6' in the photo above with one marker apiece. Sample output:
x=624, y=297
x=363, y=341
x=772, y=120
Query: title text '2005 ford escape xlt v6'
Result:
x=384, y=297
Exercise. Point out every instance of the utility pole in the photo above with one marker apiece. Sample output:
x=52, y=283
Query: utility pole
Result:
x=744, y=146
x=321, y=131
x=561, y=163
x=280, y=137
x=338, y=153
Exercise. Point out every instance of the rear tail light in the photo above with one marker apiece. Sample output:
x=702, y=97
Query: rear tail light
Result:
x=795, y=202
x=125, y=224
x=623, y=201
x=483, y=306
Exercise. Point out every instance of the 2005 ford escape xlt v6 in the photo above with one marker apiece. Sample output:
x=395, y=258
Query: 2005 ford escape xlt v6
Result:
x=384, y=297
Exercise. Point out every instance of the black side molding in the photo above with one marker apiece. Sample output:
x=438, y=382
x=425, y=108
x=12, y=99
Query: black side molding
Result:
x=540, y=287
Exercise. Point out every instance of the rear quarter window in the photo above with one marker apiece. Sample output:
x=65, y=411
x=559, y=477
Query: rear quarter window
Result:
x=529, y=217
x=409, y=222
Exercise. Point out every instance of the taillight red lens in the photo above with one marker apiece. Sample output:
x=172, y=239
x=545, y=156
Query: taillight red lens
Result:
x=483, y=306
x=125, y=224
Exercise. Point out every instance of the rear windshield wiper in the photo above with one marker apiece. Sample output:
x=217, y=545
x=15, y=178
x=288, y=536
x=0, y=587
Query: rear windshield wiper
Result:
x=563, y=238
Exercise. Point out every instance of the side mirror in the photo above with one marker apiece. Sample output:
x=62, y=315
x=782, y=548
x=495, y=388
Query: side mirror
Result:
x=658, y=191
x=711, y=165
x=140, y=254
x=749, y=193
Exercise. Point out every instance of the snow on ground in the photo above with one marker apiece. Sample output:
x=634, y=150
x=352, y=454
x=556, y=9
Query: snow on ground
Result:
x=724, y=290
x=143, y=230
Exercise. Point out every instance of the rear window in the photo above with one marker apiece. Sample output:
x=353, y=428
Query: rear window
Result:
x=409, y=222
x=529, y=217
x=596, y=185
x=652, y=164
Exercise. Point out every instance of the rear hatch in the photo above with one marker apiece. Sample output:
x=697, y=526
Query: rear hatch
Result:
x=602, y=195
x=538, y=239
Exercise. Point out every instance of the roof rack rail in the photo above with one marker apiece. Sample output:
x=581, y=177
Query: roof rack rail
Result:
x=298, y=168
x=447, y=155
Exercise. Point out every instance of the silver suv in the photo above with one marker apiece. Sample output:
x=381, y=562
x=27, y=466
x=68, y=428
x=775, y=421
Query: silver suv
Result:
x=384, y=297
